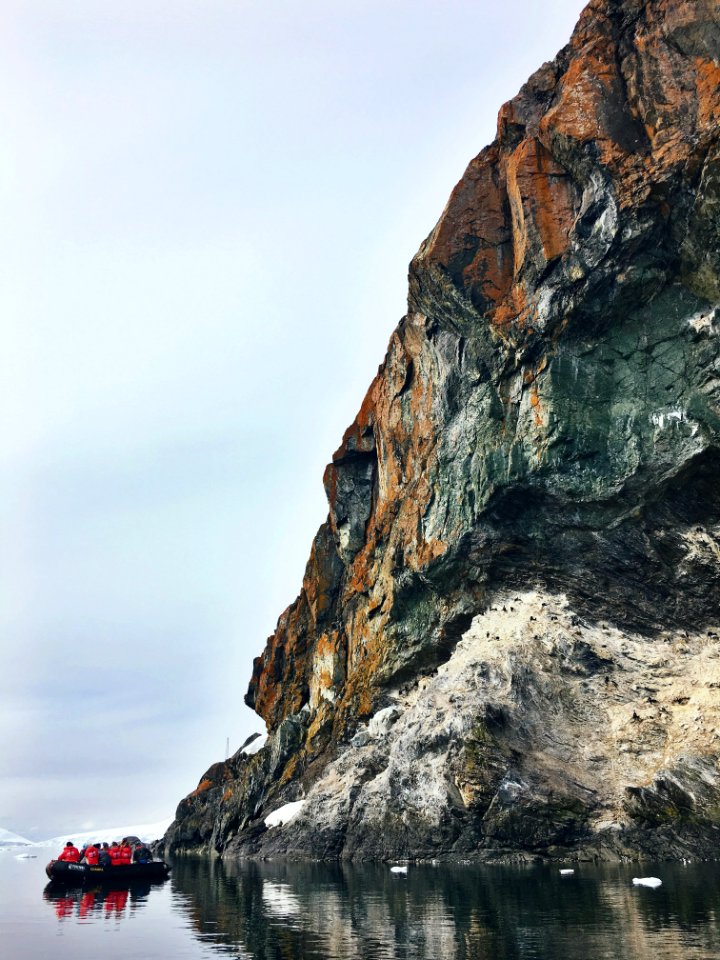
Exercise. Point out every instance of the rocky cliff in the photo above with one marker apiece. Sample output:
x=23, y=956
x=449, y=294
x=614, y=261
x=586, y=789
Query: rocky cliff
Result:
x=507, y=639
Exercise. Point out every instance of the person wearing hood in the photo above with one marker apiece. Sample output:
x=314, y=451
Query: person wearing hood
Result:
x=92, y=855
x=70, y=853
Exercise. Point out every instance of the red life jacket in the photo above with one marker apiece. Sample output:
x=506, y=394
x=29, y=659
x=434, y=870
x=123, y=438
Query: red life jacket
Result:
x=91, y=856
x=114, y=855
x=125, y=853
x=70, y=854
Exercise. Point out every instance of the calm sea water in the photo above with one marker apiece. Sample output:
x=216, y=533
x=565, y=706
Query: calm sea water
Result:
x=275, y=911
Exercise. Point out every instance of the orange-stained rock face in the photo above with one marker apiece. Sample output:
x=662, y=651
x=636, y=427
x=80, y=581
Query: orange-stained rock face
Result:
x=542, y=204
x=544, y=430
x=633, y=98
x=473, y=239
x=597, y=142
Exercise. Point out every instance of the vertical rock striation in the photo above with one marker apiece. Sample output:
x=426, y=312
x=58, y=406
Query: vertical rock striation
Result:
x=506, y=640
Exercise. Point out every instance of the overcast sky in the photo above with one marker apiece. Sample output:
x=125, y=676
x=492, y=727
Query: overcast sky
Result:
x=208, y=209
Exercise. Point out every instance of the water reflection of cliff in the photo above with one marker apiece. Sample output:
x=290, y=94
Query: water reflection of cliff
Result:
x=304, y=911
x=95, y=903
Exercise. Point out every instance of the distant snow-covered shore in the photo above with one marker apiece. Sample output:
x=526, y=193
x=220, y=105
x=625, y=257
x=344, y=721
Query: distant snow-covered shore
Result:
x=10, y=839
x=145, y=831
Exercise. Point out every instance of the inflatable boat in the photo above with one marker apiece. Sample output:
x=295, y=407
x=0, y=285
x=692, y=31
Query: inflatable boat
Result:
x=78, y=874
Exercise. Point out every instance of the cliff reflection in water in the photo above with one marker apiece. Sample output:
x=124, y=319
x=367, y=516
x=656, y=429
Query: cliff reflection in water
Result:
x=302, y=911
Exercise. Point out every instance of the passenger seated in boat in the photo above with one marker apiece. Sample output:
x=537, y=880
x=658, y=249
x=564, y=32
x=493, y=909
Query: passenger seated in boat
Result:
x=70, y=853
x=104, y=859
x=92, y=855
x=141, y=854
x=114, y=852
x=125, y=853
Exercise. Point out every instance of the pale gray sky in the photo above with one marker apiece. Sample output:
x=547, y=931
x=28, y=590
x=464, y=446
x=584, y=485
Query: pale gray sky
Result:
x=208, y=212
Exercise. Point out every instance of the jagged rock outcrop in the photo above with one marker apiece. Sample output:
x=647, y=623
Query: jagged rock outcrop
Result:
x=506, y=640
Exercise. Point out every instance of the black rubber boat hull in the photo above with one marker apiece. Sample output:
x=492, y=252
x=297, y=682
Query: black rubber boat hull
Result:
x=79, y=874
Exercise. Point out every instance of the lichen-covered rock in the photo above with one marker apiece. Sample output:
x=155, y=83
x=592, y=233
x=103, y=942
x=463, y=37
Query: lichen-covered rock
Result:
x=546, y=423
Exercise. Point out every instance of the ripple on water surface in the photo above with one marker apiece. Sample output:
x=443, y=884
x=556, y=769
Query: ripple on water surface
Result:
x=270, y=911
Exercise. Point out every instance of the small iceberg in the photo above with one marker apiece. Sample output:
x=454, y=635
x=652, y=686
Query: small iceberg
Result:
x=647, y=881
x=566, y=873
x=398, y=869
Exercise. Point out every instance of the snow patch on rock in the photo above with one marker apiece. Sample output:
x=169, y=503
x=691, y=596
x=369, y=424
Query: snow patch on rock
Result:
x=284, y=814
x=380, y=724
x=255, y=746
x=702, y=322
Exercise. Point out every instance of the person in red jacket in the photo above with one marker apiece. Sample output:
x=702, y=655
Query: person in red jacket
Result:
x=92, y=855
x=125, y=853
x=114, y=852
x=70, y=853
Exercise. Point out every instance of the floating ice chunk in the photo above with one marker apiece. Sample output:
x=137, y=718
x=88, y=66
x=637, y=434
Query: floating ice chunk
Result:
x=398, y=869
x=284, y=814
x=647, y=882
x=566, y=873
